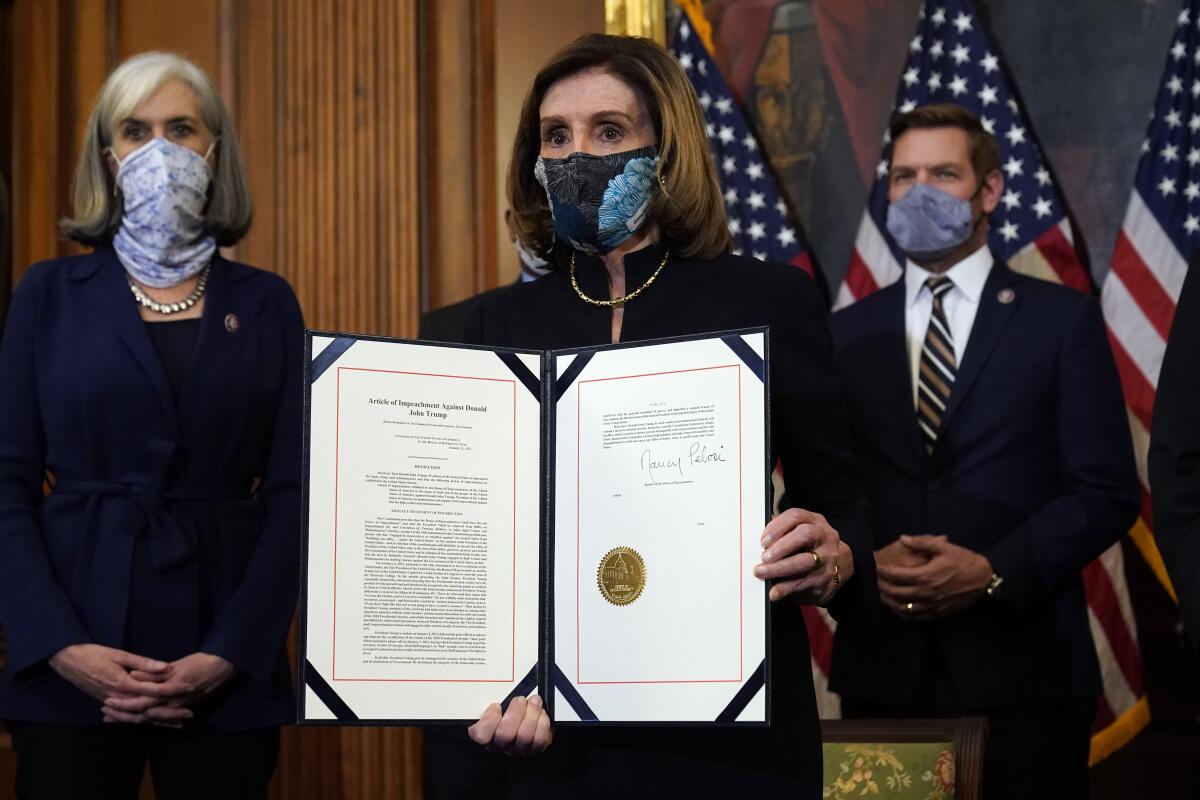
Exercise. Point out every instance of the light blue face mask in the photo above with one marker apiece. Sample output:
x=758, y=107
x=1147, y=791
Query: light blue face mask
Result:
x=928, y=224
x=533, y=266
x=162, y=239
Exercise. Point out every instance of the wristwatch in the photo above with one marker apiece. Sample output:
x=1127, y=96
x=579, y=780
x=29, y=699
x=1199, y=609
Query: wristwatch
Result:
x=995, y=587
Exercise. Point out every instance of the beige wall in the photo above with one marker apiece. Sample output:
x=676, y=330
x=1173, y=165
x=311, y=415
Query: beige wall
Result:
x=527, y=33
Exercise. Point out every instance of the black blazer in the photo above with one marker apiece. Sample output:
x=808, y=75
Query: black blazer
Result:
x=83, y=394
x=1033, y=468
x=809, y=435
x=1175, y=455
x=446, y=324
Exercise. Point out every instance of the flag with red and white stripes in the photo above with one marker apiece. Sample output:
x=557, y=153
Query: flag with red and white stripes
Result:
x=1158, y=239
x=951, y=60
x=760, y=222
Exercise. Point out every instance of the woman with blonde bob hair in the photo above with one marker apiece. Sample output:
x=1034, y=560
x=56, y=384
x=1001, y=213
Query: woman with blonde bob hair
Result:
x=155, y=386
x=612, y=180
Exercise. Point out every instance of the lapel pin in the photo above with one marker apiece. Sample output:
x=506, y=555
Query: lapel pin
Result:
x=232, y=323
x=1005, y=296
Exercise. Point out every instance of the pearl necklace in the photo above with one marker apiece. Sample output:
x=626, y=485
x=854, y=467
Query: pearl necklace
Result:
x=145, y=301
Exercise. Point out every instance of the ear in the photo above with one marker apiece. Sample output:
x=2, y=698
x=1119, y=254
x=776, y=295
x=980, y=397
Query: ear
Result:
x=508, y=223
x=213, y=155
x=990, y=191
x=110, y=161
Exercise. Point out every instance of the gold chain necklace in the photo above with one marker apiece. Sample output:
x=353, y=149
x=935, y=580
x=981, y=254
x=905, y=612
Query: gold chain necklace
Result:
x=618, y=300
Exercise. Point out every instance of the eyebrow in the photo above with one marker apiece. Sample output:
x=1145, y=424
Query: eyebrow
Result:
x=170, y=121
x=931, y=167
x=598, y=115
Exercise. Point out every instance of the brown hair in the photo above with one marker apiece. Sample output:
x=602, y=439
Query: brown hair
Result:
x=981, y=145
x=689, y=207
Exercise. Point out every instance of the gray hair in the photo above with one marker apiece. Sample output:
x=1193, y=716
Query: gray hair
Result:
x=96, y=206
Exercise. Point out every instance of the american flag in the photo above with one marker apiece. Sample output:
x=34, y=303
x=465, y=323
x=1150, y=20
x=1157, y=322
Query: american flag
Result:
x=1157, y=241
x=951, y=60
x=759, y=219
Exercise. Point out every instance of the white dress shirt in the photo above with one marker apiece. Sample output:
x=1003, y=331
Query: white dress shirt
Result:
x=959, y=303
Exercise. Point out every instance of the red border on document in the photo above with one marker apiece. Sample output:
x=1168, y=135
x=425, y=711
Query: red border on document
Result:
x=578, y=535
x=337, y=457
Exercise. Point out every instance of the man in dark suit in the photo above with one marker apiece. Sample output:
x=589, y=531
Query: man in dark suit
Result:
x=1175, y=455
x=994, y=449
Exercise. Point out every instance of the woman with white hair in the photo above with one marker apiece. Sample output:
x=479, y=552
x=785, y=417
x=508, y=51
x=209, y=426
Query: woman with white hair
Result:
x=154, y=388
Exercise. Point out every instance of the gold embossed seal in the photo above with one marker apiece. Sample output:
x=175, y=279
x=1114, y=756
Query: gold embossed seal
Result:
x=621, y=576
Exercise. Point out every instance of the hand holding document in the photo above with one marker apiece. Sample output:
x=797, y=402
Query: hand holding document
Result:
x=483, y=524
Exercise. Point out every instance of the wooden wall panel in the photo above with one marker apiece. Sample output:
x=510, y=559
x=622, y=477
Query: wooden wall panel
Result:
x=248, y=68
x=39, y=173
x=6, y=102
x=188, y=27
x=527, y=33
x=459, y=148
x=340, y=140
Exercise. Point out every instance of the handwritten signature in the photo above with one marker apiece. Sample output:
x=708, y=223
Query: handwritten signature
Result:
x=659, y=468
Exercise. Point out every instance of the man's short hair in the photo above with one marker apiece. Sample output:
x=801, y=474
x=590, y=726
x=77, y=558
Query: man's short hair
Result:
x=981, y=145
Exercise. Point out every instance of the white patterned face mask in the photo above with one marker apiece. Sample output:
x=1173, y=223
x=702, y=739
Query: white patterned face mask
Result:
x=162, y=241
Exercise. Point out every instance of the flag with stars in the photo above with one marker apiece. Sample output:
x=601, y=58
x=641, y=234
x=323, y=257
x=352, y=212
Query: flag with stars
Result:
x=1158, y=239
x=951, y=60
x=759, y=220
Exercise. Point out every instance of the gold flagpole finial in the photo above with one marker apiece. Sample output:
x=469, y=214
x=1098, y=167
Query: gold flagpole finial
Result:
x=636, y=18
x=700, y=24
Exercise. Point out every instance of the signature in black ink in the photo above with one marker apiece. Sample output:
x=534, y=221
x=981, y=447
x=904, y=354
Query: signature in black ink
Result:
x=651, y=463
x=698, y=455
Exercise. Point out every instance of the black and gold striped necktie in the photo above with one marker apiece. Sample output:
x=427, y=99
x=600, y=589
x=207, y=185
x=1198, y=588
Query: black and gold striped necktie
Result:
x=938, y=365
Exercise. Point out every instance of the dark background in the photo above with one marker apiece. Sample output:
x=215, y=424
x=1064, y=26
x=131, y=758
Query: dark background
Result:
x=818, y=78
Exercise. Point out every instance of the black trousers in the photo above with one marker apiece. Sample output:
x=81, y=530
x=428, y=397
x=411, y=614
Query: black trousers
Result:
x=456, y=767
x=106, y=762
x=1033, y=752
x=630, y=762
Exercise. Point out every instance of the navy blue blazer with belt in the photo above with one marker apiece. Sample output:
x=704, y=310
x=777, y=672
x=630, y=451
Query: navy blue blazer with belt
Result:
x=201, y=495
x=1033, y=468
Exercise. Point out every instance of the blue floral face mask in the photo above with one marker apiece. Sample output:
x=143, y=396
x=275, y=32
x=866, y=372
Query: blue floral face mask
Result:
x=928, y=223
x=598, y=202
x=162, y=239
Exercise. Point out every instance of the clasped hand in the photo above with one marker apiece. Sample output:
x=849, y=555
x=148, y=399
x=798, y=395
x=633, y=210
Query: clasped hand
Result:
x=926, y=577
x=135, y=689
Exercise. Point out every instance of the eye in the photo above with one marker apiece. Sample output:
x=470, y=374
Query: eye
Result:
x=610, y=133
x=556, y=137
x=182, y=129
x=133, y=133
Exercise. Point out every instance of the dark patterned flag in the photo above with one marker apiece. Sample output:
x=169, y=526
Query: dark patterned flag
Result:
x=951, y=60
x=760, y=222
